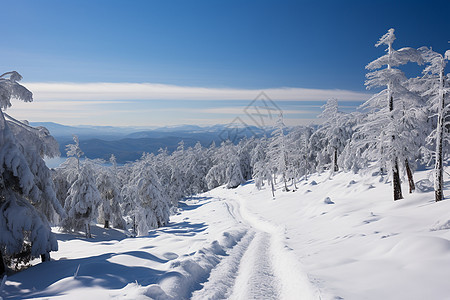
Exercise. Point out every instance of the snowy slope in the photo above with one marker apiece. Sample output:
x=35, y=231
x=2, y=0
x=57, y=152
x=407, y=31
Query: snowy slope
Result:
x=243, y=244
x=364, y=246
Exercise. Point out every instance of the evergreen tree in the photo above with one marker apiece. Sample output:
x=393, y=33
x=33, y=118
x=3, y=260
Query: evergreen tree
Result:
x=334, y=133
x=110, y=206
x=144, y=195
x=83, y=197
x=435, y=87
x=26, y=196
x=380, y=135
x=278, y=152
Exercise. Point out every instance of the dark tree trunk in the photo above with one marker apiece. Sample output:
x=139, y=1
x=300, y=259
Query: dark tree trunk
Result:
x=45, y=257
x=336, y=168
x=134, y=225
x=106, y=223
x=2, y=264
x=412, y=186
x=273, y=187
x=439, y=167
x=285, y=184
x=439, y=170
x=88, y=231
x=396, y=183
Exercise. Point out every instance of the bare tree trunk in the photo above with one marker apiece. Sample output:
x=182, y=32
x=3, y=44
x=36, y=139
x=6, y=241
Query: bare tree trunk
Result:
x=106, y=224
x=273, y=187
x=88, y=231
x=45, y=257
x=335, y=167
x=2, y=264
x=412, y=186
x=439, y=166
x=396, y=183
x=285, y=184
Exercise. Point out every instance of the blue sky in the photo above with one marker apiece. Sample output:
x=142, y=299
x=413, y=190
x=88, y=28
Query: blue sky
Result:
x=201, y=49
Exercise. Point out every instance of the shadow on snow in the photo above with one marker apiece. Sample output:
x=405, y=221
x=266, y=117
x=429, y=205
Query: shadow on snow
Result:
x=93, y=271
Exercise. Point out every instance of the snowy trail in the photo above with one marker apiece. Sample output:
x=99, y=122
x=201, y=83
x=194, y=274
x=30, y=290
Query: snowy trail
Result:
x=259, y=266
x=256, y=278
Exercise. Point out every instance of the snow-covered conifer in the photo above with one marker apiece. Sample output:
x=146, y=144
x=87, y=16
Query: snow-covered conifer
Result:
x=334, y=132
x=25, y=195
x=435, y=87
x=302, y=155
x=226, y=167
x=145, y=197
x=380, y=136
x=278, y=151
x=83, y=197
x=107, y=184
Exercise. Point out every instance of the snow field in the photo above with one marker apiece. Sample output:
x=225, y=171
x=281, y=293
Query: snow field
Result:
x=335, y=237
x=364, y=246
x=170, y=263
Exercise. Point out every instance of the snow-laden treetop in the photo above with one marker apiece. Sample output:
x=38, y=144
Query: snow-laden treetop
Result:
x=386, y=39
x=10, y=88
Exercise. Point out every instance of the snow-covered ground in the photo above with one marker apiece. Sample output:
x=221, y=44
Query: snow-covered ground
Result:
x=243, y=244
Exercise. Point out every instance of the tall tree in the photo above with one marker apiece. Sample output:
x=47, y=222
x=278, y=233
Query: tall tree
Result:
x=26, y=196
x=278, y=151
x=334, y=132
x=383, y=111
x=143, y=194
x=108, y=186
x=83, y=197
x=436, y=88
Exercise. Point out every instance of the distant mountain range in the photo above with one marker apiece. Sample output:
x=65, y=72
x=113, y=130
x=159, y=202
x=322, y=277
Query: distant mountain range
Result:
x=128, y=143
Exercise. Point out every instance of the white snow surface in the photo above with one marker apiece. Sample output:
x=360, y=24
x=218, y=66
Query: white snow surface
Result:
x=244, y=244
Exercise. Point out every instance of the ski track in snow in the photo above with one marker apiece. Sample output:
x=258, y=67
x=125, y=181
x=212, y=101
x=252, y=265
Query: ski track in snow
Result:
x=253, y=268
x=256, y=278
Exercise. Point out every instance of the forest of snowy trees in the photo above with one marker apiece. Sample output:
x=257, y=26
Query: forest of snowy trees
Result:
x=401, y=127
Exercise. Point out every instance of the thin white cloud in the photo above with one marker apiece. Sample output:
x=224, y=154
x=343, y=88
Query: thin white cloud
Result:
x=152, y=91
x=241, y=111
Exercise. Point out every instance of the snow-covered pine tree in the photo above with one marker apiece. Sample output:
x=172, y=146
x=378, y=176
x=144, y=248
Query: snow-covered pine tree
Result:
x=435, y=87
x=178, y=166
x=245, y=148
x=382, y=126
x=262, y=170
x=83, y=197
x=107, y=184
x=145, y=197
x=164, y=169
x=24, y=191
x=233, y=174
x=37, y=143
x=278, y=152
x=74, y=150
x=196, y=169
x=301, y=154
x=335, y=132
x=226, y=167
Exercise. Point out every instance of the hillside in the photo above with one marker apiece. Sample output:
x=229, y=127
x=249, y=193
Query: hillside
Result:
x=242, y=243
x=128, y=143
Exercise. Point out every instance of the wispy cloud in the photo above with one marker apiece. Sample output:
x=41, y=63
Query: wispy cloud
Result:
x=241, y=111
x=145, y=104
x=153, y=91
